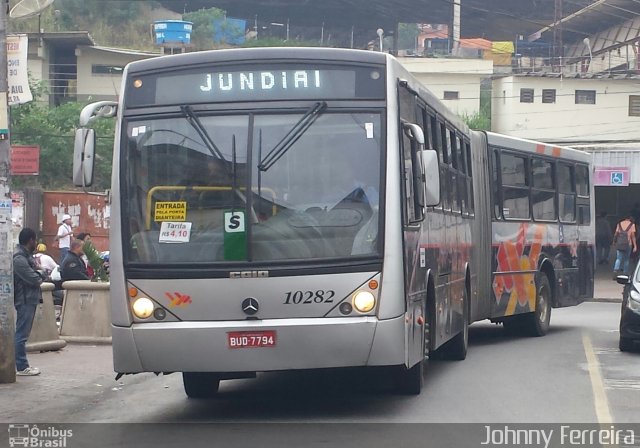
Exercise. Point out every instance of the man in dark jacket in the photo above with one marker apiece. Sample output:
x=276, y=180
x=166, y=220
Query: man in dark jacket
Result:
x=26, y=295
x=73, y=268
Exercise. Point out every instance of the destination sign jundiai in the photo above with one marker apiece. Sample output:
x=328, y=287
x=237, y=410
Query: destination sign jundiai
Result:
x=256, y=81
x=280, y=82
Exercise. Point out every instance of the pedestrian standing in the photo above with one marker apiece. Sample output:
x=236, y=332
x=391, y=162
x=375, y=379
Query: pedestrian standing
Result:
x=603, y=238
x=27, y=296
x=64, y=236
x=625, y=242
x=73, y=267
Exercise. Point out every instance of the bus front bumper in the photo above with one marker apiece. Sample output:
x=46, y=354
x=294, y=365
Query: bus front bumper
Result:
x=300, y=344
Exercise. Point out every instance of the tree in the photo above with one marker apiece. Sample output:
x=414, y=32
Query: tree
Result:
x=203, y=28
x=53, y=129
x=407, y=34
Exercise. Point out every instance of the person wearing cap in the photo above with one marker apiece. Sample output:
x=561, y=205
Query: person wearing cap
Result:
x=73, y=267
x=64, y=236
x=44, y=261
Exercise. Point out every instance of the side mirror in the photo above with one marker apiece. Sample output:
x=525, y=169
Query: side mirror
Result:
x=622, y=279
x=431, y=177
x=83, y=157
x=414, y=132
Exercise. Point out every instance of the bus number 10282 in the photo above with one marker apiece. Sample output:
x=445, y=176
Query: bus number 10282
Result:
x=308, y=297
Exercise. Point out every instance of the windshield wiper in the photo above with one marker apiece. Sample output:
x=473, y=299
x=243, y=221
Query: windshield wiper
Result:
x=292, y=136
x=195, y=122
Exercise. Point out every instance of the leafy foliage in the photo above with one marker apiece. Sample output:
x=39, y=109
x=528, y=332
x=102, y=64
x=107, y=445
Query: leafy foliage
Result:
x=118, y=23
x=407, y=34
x=481, y=119
x=202, y=35
x=53, y=129
x=95, y=261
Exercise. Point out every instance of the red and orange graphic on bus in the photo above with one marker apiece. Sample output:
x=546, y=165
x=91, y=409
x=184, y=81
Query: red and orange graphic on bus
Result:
x=178, y=300
x=514, y=279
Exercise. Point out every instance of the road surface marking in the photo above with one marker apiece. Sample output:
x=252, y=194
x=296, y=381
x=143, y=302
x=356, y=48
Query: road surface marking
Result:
x=599, y=395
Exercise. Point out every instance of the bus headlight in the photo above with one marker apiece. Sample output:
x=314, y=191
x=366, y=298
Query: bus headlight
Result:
x=364, y=301
x=142, y=307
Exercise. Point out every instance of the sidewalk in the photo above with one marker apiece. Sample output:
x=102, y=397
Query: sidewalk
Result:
x=73, y=380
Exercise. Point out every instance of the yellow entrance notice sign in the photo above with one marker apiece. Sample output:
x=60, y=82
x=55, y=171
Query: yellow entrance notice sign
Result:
x=170, y=211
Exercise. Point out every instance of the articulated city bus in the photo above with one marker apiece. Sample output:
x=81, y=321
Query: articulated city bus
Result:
x=302, y=208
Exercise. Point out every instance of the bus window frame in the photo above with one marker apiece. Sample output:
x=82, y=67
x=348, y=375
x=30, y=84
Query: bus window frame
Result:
x=218, y=269
x=469, y=158
x=574, y=193
x=413, y=213
x=553, y=190
x=500, y=151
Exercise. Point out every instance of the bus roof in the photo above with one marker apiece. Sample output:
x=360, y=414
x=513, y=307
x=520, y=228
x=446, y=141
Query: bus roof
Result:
x=248, y=54
x=562, y=152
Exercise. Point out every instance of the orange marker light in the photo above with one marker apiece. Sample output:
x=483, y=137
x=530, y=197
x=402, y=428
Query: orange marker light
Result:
x=137, y=83
x=373, y=284
x=133, y=292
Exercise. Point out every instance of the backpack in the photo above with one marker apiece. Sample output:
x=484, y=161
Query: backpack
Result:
x=622, y=238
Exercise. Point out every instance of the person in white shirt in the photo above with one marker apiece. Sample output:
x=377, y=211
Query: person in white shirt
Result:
x=44, y=261
x=64, y=236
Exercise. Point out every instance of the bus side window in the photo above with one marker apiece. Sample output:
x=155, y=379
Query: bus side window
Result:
x=583, y=190
x=462, y=176
x=467, y=150
x=496, y=197
x=412, y=178
x=445, y=188
x=515, y=188
x=453, y=171
x=543, y=190
x=414, y=211
x=566, y=193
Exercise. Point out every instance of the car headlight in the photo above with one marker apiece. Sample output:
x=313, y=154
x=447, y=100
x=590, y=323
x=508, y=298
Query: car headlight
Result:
x=634, y=301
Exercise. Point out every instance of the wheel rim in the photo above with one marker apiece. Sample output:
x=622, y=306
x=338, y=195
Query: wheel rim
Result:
x=544, y=306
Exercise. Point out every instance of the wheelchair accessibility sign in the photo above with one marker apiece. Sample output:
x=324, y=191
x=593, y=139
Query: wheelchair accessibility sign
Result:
x=612, y=176
x=617, y=178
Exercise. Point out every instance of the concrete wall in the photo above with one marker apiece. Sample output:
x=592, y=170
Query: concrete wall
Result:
x=38, y=65
x=454, y=75
x=606, y=120
x=101, y=86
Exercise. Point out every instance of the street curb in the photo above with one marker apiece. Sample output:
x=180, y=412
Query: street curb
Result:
x=604, y=300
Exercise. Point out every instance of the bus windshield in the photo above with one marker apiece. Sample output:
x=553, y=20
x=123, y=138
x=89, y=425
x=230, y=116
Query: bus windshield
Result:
x=318, y=199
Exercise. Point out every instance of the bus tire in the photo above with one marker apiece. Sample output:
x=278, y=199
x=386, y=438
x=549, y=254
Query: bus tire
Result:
x=200, y=385
x=625, y=344
x=410, y=380
x=538, y=321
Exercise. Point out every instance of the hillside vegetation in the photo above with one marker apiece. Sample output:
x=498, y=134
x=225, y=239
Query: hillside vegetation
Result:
x=115, y=23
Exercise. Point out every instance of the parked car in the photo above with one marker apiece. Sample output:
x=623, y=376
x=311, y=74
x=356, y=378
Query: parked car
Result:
x=630, y=315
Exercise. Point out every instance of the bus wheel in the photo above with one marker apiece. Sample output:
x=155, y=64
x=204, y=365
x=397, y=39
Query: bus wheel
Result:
x=538, y=321
x=200, y=385
x=410, y=381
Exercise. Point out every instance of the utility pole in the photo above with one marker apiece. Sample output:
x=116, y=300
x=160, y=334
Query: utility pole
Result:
x=558, y=38
x=7, y=325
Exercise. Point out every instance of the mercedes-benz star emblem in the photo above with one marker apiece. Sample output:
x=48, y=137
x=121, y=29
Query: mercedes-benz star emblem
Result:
x=250, y=306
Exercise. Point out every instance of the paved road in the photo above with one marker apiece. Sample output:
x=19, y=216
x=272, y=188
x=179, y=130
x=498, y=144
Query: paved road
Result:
x=574, y=374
